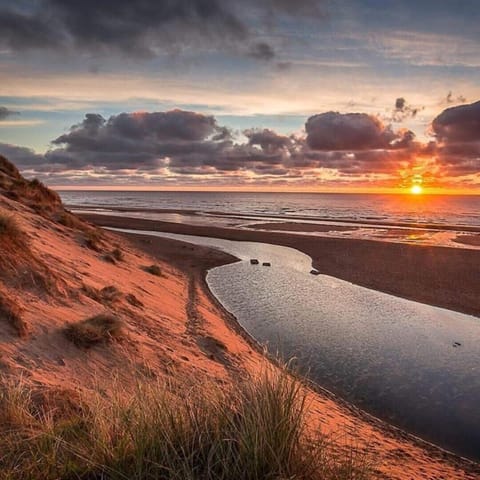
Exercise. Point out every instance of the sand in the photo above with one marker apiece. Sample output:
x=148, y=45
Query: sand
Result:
x=440, y=276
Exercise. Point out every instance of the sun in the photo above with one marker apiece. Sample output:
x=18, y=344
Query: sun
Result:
x=416, y=189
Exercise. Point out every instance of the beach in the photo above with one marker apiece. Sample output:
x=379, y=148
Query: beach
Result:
x=440, y=276
x=396, y=449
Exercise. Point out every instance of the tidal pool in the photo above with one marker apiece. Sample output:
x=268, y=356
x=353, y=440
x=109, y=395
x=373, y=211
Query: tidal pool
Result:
x=414, y=365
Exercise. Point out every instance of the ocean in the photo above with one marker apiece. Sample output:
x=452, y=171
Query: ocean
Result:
x=423, y=209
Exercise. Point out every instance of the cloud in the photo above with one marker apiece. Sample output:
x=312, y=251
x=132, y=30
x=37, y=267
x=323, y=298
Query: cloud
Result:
x=457, y=131
x=138, y=140
x=24, y=158
x=403, y=110
x=5, y=113
x=348, y=131
x=262, y=51
x=267, y=139
x=179, y=147
x=458, y=124
x=450, y=98
x=142, y=28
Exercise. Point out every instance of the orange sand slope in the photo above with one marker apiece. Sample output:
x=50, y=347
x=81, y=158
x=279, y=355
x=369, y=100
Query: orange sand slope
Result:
x=55, y=275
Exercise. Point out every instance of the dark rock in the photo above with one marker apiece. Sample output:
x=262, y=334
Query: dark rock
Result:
x=266, y=264
x=254, y=261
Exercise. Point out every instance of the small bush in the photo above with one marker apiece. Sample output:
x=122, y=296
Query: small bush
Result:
x=154, y=270
x=12, y=313
x=40, y=196
x=94, y=330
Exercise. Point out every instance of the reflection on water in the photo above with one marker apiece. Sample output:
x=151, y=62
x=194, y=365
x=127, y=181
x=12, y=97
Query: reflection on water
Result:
x=441, y=209
x=412, y=364
x=345, y=230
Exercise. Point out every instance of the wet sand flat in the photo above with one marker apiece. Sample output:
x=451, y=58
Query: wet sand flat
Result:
x=440, y=276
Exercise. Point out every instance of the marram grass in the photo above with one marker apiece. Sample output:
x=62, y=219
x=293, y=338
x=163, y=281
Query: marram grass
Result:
x=255, y=431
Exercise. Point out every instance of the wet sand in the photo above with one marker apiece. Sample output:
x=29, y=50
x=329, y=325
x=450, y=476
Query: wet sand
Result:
x=301, y=227
x=468, y=239
x=440, y=276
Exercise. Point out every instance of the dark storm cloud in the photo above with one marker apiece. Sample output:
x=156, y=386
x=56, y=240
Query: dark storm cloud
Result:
x=19, y=30
x=347, y=131
x=6, y=112
x=458, y=124
x=457, y=130
x=141, y=28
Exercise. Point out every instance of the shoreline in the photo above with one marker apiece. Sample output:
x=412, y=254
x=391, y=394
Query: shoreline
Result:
x=368, y=222
x=162, y=248
x=415, y=272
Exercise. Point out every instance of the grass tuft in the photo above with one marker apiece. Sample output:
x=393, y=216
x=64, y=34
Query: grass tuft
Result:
x=118, y=254
x=255, y=431
x=12, y=313
x=69, y=220
x=93, y=239
x=10, y=230
x=109, y=258
x=154, y=270
x=94, y=330
x=133, y=300
x=107, y=294
x=110, y=294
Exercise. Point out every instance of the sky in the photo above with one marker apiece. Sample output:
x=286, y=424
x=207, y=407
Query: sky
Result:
x=304, y=95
